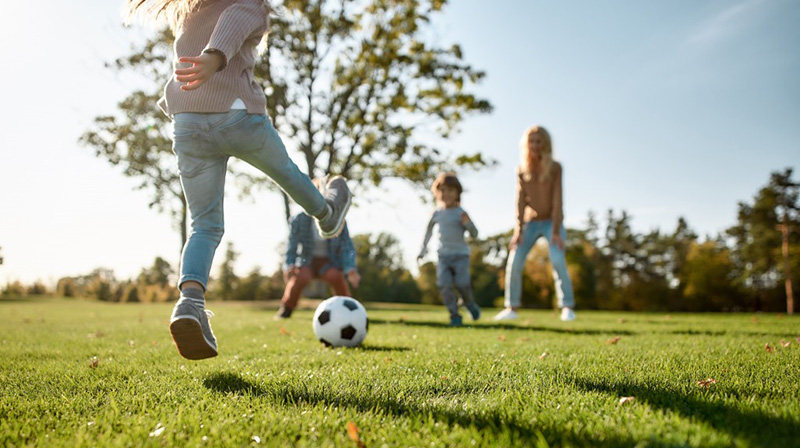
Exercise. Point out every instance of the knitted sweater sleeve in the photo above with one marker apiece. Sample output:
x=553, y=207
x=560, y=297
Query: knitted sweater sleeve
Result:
x=238, y=22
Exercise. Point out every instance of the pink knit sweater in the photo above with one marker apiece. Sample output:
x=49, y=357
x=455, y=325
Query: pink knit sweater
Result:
x=234, y=27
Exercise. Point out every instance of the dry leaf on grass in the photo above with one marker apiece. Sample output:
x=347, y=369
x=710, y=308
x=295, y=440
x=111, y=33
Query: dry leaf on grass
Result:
x=768, y=348
x=785, y=343
x=543, y=355
x=706, y=382
x=285, y=332
x=625, y=400
x=613, y=340
x=501, y=337
x=94, y=362
x=352, y=432
x=157, y=432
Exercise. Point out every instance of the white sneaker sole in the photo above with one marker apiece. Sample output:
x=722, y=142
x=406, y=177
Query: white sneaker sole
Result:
x=189, y=338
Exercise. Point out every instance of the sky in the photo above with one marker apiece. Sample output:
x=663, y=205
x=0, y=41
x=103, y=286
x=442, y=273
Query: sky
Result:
x=663, y=109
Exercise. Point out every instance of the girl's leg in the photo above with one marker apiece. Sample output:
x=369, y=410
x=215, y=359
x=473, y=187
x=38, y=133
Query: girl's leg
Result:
x=464, y=285
x=445, y=279
x=335, y=278
x=558, y=261
x=252, y=138
x=202, y=170
x=516, y=264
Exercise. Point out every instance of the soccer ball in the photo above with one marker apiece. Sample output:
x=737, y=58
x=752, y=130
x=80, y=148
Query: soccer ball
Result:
x=341, y=321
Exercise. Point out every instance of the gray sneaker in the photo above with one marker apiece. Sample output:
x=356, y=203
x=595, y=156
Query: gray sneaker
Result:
x=338, y=197
x=191, y=331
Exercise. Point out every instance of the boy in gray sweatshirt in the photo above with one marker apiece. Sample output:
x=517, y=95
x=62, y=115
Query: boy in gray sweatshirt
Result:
x=452, y=270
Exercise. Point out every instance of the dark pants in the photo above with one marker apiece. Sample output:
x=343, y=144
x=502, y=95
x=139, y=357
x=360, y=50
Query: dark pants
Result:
x=331, y=276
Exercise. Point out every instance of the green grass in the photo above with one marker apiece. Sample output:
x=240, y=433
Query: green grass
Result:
x=415, y=382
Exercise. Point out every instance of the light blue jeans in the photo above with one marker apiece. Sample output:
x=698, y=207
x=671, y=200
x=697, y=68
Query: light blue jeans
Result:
x=516, y=264
x=203, y=143
x=452, y=271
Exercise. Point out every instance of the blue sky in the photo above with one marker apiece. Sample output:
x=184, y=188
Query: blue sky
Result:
x=663, y=109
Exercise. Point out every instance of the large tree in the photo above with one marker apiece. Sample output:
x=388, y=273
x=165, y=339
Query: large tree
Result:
x=765, y=235
x=359, y=87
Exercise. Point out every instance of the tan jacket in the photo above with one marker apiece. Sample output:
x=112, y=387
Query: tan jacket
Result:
x=539, y=201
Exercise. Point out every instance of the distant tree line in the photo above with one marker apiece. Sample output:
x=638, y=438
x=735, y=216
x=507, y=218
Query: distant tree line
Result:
x=752, y=265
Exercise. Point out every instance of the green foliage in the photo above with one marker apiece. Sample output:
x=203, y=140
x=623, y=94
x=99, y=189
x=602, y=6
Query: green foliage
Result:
x=426, y=282
x=81, y=374
x=761, y=268
x=383, y=278
x=359, y=82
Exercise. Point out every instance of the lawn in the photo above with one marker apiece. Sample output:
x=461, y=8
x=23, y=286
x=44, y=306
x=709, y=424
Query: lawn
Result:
x=76, y=373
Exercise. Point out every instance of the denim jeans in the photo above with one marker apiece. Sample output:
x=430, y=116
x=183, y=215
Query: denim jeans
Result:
x=452, y=271
x=203, y=143
x=516, y=264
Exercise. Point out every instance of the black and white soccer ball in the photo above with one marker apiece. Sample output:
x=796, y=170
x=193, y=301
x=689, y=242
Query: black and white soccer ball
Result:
x=341, y=321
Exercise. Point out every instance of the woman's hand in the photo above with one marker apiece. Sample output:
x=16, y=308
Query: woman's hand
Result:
x=354, y=278
x=202, y=69
x=556, y=240
x=514, y=241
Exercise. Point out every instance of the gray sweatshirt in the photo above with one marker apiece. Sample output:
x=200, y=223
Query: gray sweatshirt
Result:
x=451, y=232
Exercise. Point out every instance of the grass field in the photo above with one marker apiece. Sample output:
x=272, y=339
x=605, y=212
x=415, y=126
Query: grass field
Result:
x=78, y=373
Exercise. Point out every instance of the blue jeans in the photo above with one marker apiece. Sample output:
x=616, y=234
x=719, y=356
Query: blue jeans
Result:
x=452, y=271
x=203, y=143
x=516, y=264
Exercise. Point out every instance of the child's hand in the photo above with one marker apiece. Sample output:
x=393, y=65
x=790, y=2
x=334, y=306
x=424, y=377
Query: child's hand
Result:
x=289, y=273
x=202, y=69
x=464, y=218
x=556, y=240
x=354, y=278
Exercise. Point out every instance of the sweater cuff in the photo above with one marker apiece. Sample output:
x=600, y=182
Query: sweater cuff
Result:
x=220, y=53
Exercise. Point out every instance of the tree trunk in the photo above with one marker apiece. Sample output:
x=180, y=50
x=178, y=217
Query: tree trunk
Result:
x=286, y=206
x=786, y=267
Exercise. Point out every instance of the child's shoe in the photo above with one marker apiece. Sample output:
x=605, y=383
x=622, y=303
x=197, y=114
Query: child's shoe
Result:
x=567, y=314
x=506, y=314
x=283, y=313
x=338, y=197
x=191, y=330
x=474, y=311
x=456, y=321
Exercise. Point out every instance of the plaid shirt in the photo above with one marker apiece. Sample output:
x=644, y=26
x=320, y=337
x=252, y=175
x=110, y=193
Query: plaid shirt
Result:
x=341, y=252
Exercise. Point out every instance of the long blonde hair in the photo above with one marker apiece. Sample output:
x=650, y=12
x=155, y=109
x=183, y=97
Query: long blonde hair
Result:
x=526, y=162
x=173, y=12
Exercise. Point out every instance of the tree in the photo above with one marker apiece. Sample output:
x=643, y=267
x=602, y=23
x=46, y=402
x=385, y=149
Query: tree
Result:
x=226, y=282
x=383, y=278
x=138, y=140
x=357, y=83
x=761, y=246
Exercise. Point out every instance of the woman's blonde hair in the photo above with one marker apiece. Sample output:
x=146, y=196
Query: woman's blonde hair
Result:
x=172, y=12
x=446, y=180
x=526, y=162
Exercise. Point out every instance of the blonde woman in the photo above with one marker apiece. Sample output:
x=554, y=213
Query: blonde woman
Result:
x=218, y=111
x=539, y=213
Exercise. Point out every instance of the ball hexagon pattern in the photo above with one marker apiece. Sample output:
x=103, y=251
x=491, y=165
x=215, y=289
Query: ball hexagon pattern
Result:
x=340, y=321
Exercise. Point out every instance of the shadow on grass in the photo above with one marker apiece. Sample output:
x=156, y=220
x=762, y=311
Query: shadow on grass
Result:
x=758, y=428
x=379, y=348
x=494, y=422
x=500, y=326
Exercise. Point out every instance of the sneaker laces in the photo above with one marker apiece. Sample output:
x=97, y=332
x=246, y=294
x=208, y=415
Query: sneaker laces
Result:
x=209, y=313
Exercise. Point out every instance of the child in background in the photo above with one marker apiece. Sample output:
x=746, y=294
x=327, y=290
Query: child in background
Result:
x=452, y=269
x=308, y=256
x=218, y=111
